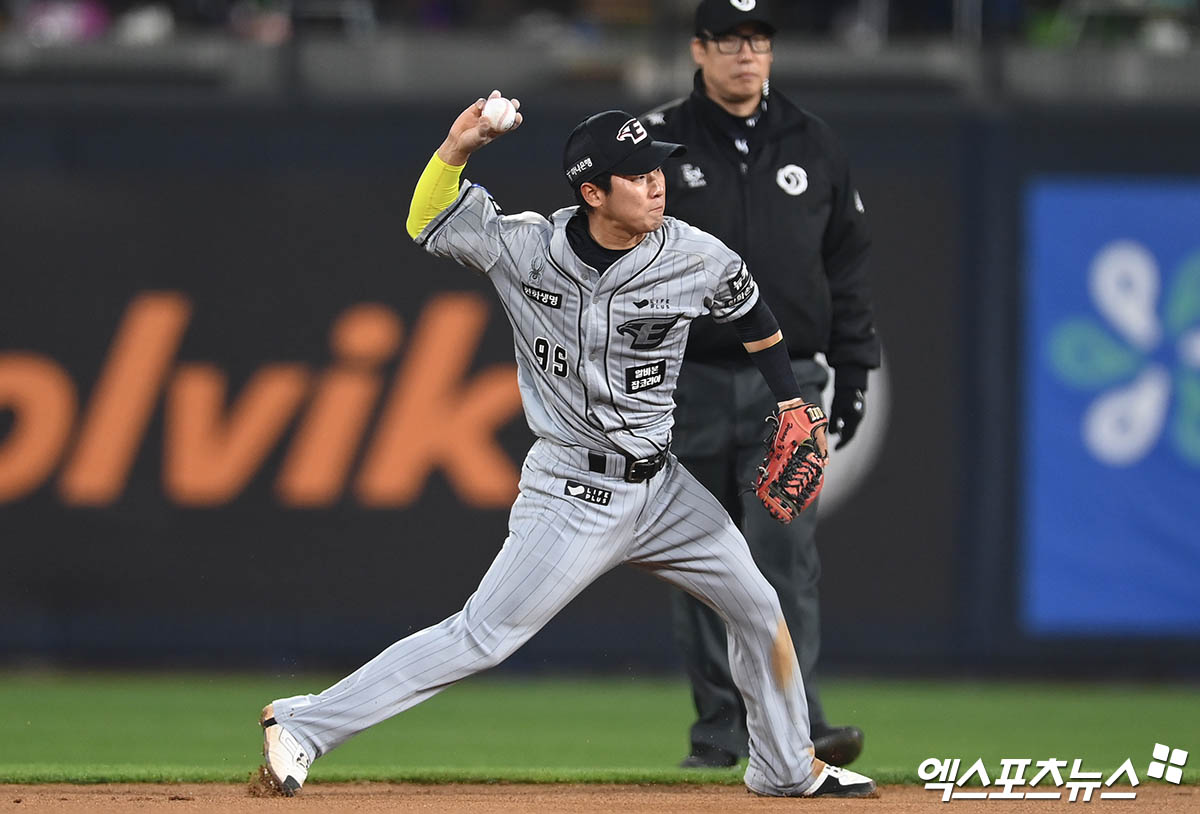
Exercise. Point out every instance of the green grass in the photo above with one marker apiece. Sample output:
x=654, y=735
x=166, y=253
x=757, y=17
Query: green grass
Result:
x=155, y=728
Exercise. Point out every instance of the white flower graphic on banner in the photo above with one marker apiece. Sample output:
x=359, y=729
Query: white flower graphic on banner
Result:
x=1142, y=356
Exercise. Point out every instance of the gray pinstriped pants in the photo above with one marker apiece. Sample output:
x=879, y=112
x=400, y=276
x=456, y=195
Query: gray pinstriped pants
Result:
x=718, y=436
x=557, y=546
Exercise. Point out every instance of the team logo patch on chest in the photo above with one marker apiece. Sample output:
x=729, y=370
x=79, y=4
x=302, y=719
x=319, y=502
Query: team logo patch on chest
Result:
x=588, y=494
x=546, y=298
x=792, y=179
x=648, y=333
x=644, y=377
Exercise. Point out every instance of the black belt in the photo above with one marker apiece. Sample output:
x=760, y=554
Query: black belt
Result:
x=636, y=469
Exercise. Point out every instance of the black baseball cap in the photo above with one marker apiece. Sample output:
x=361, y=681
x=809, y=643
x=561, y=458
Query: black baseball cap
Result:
x=719, y=16
x=613, y=141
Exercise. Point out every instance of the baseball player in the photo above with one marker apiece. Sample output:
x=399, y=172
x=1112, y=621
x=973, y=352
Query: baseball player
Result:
x=599, y=296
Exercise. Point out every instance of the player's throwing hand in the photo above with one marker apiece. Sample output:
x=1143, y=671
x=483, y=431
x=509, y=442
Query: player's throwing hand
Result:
x=472, y=130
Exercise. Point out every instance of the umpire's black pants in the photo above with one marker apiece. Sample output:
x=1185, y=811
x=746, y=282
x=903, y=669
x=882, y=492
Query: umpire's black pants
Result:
x=719, y=438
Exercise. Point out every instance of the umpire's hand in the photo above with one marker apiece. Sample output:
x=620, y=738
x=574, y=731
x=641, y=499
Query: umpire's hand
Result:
x=846, y=413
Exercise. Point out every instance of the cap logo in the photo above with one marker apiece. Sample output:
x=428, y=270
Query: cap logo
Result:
x=631, y=130
x=580, y=166
x=743, y=5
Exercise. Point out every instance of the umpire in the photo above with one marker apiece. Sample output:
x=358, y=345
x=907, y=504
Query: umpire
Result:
x=771, y=181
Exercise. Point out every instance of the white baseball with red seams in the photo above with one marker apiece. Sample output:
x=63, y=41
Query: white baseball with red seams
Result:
x=500, y=114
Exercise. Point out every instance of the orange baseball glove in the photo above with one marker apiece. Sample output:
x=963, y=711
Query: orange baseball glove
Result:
x=793, y=470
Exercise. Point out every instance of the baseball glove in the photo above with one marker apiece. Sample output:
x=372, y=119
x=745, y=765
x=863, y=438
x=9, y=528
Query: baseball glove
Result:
x=793, y=470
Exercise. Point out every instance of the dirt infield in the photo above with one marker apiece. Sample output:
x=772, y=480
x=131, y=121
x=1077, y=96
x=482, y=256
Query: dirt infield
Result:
x=366, y=798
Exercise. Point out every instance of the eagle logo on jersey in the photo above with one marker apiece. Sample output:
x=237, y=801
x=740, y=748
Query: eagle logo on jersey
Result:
x=535, y=268
x=631, y=130
x=648, y=333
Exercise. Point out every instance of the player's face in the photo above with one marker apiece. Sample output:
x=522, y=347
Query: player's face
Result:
x=735, y=78
x=636, y=202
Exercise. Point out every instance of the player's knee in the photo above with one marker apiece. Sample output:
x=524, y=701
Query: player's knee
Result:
x=763, y=613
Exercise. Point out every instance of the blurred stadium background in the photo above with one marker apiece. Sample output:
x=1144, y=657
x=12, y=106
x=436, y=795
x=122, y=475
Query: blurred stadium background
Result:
x=232, y=392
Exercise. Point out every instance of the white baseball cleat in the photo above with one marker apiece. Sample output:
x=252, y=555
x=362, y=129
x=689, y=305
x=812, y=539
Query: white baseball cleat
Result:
x=837, y=782
x=287, y=762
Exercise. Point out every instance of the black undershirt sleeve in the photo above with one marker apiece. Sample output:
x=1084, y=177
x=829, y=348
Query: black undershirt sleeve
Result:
x=773, y=363
x=757, y=323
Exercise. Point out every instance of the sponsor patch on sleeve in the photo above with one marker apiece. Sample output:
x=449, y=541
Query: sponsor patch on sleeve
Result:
x=588, y=494
x=547, y=298
x=734, y=293
x=740, y=288
x=644, y=377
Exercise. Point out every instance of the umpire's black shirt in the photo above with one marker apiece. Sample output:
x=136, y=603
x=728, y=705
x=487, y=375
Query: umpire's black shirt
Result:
x=775, y=187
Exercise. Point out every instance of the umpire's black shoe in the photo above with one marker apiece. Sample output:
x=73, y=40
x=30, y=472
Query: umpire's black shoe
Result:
x=708, y=757
x=839, y=745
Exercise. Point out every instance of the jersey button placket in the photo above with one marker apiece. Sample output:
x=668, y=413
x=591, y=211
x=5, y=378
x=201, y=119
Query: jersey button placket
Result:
x=593, y=345
x=593, y=332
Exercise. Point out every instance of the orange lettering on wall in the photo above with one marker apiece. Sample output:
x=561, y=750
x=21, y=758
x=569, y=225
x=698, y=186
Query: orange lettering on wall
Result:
x=314, y=473
x=124, y=398
x=209, y=457
x=42, y=399
x=433, y=418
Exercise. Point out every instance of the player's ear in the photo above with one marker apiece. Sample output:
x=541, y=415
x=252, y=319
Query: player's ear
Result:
x=592, y=194
x=698, y=52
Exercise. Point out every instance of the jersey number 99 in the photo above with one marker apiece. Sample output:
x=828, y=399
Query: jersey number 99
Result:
x=551, y=361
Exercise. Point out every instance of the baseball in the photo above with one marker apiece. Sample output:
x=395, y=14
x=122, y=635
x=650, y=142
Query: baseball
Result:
x=499, y=113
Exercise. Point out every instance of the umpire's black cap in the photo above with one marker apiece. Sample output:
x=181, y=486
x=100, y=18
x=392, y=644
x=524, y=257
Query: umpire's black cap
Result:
x=719, y=16
x=613, y=141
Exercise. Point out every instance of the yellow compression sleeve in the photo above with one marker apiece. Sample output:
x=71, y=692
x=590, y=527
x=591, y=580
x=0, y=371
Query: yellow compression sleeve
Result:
x=436, y=189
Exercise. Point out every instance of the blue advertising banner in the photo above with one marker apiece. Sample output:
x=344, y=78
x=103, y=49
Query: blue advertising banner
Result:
x=1112, y=397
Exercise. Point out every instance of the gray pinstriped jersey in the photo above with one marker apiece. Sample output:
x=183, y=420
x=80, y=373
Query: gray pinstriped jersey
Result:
x=597, y=355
